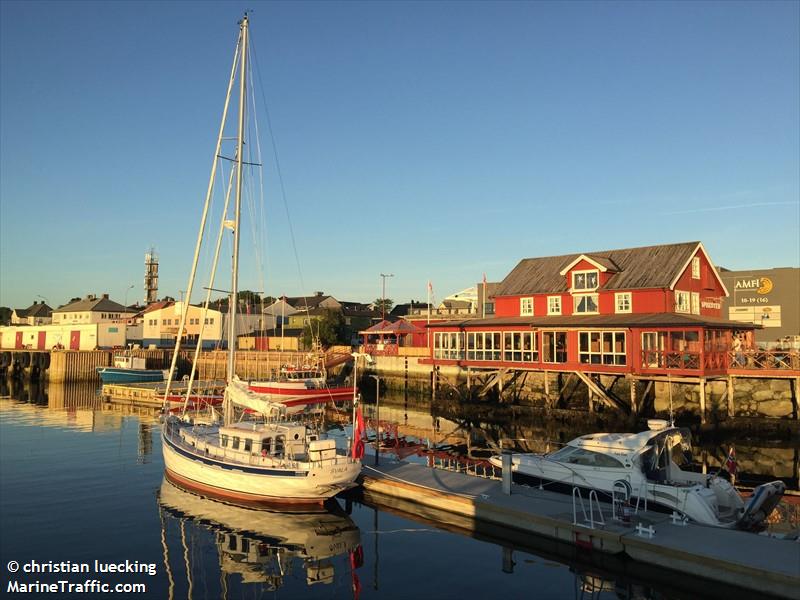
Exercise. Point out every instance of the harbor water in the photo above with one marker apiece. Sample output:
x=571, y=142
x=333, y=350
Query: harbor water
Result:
x=82, y=485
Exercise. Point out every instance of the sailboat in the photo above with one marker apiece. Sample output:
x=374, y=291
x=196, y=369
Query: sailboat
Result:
x=262, y=546
x=256, y=453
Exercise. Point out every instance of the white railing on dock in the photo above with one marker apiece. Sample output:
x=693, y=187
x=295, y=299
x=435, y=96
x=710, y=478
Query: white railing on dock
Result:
x=481, y=469
x=588, y=519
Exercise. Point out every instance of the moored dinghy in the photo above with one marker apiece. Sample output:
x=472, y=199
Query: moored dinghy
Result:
x=648, y=464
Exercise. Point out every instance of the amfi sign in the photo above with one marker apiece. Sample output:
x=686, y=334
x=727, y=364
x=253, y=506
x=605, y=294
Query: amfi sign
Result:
x=761, y=285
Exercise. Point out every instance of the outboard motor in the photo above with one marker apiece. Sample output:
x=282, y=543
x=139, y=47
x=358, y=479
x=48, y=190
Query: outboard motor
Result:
x=763, y=501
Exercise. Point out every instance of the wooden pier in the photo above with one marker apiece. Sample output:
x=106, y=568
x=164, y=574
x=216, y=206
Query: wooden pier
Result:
x=759, y=564
x=152, y=394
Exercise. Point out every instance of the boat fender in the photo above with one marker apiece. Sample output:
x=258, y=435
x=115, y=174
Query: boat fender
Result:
x=763, y=501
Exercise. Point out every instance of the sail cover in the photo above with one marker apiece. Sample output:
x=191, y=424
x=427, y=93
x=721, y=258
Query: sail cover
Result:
x=238, y=393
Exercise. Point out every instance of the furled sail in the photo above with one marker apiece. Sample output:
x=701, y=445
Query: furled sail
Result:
x=237, y=392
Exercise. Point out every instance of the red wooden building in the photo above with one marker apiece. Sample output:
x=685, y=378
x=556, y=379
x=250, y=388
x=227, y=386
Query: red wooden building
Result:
x=651, y=311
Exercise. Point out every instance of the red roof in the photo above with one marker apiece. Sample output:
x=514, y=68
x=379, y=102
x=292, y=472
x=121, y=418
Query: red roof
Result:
x=400, y=327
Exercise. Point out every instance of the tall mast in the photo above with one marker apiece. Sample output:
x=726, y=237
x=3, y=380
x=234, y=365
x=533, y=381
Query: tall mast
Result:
x=206, y=206
x=232, y=305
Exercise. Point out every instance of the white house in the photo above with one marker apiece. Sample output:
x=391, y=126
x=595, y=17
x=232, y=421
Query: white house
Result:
x=91, y=310
x=36, y=314
x=162, y=322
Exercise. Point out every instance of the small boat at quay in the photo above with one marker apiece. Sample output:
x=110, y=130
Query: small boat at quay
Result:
x=255, y=453
x=130, y=369
x=302, y=388
x=647, y=465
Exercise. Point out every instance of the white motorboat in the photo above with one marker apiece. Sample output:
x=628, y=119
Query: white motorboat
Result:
x=256, y=454
x=647, y=465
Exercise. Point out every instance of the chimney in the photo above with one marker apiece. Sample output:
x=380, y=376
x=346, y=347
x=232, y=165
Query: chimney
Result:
x=105, y=296
x=318, y=294
x=91, y=297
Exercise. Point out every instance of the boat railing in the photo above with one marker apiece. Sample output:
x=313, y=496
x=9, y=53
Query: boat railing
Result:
x=257, y=460
x=588, y=518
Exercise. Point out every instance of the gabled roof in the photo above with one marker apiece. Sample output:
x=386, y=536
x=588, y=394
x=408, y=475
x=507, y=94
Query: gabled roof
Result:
x=34, y=310
x=603, y=263
x=158, y=305
x=638, y=268
x=94, y=305
x=401, y=327
x=401, y=310
x=301, y=302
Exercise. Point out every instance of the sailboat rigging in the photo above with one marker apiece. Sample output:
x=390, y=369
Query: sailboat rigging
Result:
x=256, y=454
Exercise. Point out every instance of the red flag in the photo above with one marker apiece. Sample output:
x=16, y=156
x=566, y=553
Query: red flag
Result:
x=357, y=557
x=730, y=462
x=358, y=435
x=356, y=560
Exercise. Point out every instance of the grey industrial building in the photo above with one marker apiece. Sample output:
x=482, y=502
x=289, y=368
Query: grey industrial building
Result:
x=767, y=297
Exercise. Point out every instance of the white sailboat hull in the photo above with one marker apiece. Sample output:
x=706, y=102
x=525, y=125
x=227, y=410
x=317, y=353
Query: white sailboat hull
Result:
x=310, y=483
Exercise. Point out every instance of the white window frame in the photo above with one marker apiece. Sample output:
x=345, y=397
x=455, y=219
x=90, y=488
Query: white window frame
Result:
x=555, y=333
x=576, y=300
x=514, y=346
x=588, y=356
x=554, y=305
x=683, y=302
x=484, y=345
x=585, y=288
x=696, y=267
x=526, y=306
x=448, y=345
x=620, y=302
x=695, y=303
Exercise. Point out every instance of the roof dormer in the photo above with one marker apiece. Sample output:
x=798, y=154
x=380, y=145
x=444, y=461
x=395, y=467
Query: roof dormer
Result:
x=586, y=273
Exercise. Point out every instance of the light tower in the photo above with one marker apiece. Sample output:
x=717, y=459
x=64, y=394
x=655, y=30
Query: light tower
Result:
x=150, y=276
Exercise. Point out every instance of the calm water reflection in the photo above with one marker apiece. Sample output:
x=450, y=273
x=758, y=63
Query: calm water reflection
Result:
x=82, y=480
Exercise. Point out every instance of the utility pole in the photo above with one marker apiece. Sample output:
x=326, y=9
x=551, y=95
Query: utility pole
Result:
x=383, y=294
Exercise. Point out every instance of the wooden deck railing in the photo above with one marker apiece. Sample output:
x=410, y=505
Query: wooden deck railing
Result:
x=788, y=360
x=721, y=361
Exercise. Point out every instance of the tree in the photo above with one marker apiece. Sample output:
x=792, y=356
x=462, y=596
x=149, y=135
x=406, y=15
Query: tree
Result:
x=386, y=303
x=329, y=328
x=5, y=315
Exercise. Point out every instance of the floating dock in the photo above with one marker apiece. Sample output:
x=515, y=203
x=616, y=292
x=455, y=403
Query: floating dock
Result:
x=758, y=563
x=152, y=394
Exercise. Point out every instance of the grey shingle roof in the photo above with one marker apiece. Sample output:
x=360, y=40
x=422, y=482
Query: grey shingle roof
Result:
x=94, y=305
x=637, y=268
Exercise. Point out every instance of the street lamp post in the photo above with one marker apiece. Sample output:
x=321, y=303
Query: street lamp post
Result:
x=377, y=417
x=383, y=294
x=130, y=287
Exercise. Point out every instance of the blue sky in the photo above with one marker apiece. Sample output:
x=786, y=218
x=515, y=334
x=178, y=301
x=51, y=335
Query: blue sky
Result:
x=434, y=141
